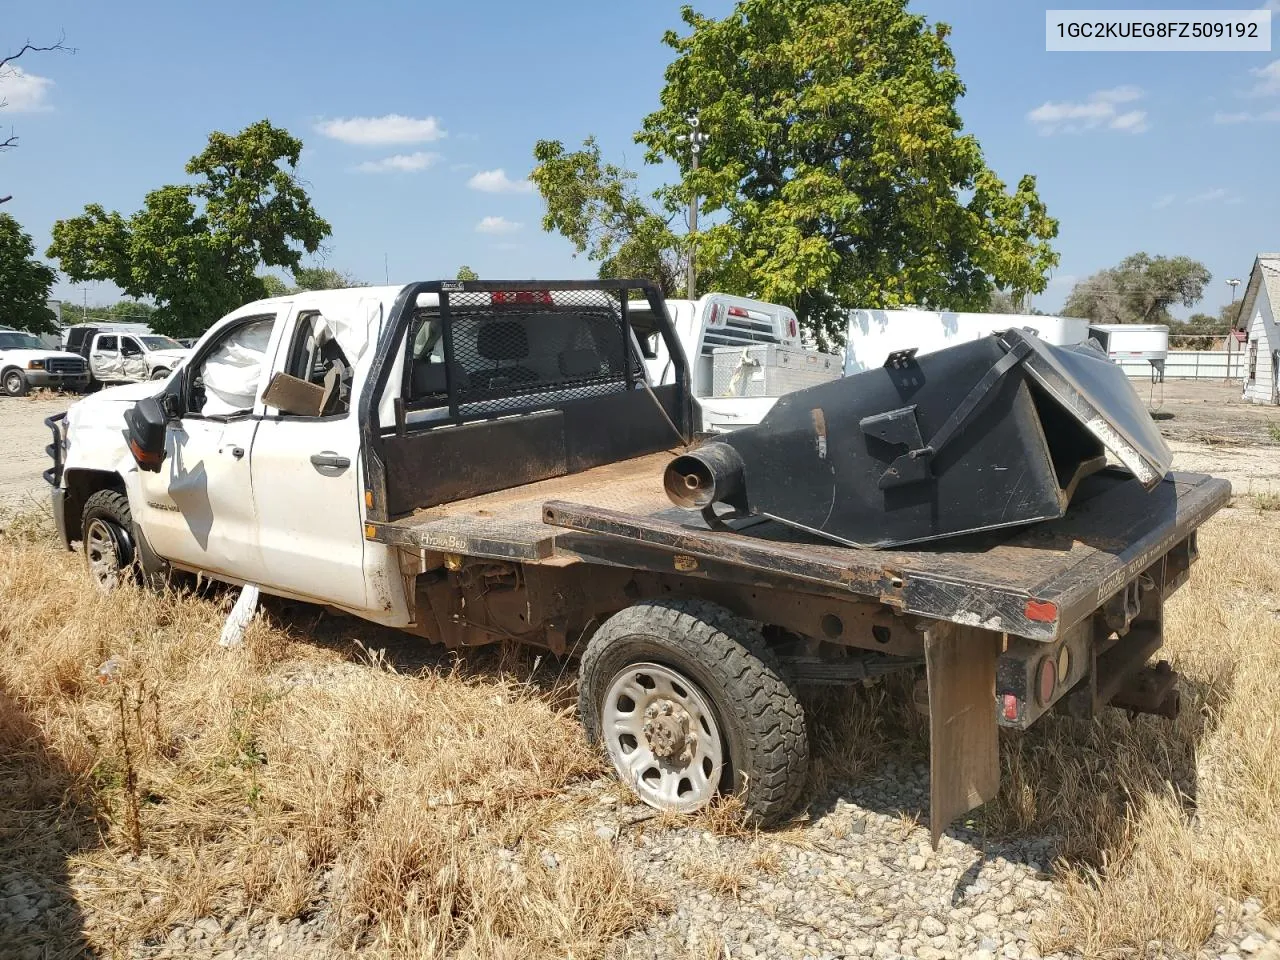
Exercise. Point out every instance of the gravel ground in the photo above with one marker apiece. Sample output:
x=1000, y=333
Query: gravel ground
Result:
x=23, y=437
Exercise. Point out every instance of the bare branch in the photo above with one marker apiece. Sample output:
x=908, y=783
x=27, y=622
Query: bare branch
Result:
x=6, y=199
x=30, y=47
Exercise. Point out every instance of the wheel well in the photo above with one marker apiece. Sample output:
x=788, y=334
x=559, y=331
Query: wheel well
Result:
x=81, y=485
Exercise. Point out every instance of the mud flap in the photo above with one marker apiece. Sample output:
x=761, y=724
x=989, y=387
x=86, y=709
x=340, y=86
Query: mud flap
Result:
x=964, y=752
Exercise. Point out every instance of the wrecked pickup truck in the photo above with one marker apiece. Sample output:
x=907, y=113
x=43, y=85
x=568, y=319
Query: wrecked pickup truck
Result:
x=478, y=462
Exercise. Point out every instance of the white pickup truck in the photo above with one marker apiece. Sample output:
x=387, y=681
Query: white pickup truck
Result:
x=25, y=362
x=487, y=462
x=735, y=346
x=118, y=355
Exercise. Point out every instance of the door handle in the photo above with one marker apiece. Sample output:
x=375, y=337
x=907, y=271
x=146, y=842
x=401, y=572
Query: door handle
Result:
x=328, y=458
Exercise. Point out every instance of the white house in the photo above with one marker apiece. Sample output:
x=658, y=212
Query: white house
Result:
x=1258, y=319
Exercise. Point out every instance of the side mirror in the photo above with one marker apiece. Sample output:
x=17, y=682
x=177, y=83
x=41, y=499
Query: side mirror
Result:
x=145, y=424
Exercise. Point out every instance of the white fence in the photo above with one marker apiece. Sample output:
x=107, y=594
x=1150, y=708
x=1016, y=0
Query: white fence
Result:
x=1190, y=365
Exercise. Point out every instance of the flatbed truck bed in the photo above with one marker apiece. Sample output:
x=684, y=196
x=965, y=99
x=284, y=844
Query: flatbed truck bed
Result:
x=1034, y=582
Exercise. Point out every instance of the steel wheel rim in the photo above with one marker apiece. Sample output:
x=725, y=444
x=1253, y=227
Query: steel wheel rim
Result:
x=103, y=555
x=13, y=383
x=672, y=760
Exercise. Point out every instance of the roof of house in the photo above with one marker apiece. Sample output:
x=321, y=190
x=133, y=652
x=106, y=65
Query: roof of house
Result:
x=1265, y=273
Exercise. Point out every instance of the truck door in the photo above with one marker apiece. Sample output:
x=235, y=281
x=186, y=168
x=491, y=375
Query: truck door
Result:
x=104, y=357
x=306, y=477
x=133, y=362
x=198, y=511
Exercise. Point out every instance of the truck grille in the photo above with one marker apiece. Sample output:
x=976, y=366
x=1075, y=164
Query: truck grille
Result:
x=64, y=365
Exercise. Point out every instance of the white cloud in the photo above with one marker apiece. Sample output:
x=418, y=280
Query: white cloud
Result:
x=497, y=181
x=1164, y=201
x=374, y=131
x=1216, y=195
x=23, y=92
x=1101, y=109
x=1244, y=116
x=400, y=163
x=497, y=225
x=1268, y=84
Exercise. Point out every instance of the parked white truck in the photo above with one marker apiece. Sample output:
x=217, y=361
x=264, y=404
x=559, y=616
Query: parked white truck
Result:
x=743, y=355
x=25, y=362
x=480, y=462
x=125, y=354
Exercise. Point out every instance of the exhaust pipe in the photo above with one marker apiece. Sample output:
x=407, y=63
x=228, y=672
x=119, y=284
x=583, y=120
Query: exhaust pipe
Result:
x=710, y=474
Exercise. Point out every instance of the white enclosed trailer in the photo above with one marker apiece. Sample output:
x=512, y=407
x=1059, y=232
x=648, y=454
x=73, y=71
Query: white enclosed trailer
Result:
x=874, y=334
x=1140, y=348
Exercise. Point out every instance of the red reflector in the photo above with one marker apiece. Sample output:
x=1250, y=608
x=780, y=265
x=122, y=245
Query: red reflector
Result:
x=1011, y=707
x=791, y=327
x=737, y=312
x=714, y=315
x=520, y=296
x=1046, y=680
x=1042, y=611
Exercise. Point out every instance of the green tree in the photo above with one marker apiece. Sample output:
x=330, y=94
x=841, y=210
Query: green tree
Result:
x=835, y=173
x=594, y=205
x=1140, y=289
x=273, y=286
x=123, y=311
x=1200, y=331
x=24, y=281
x=323, y=278
x=466, y=273
x=194, y=249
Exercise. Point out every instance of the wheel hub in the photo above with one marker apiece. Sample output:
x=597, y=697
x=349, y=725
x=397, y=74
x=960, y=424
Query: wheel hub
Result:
x=666, y=729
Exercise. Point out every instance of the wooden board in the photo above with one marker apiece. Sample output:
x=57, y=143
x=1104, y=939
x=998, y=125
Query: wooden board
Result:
x=964, y=749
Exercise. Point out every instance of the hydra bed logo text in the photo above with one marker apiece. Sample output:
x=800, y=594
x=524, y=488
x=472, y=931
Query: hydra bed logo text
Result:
x=1137, y=31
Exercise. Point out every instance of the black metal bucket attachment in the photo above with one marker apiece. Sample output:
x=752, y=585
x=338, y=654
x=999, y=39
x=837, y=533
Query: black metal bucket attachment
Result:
x=987, y=434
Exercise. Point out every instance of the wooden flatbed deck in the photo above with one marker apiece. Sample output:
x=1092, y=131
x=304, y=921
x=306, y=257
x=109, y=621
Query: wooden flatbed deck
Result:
x=1032, y=581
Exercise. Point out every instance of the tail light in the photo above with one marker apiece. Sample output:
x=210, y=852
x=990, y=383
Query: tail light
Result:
x=738, y=312
x=521, y=296
x=713, y=318
x=792, y=328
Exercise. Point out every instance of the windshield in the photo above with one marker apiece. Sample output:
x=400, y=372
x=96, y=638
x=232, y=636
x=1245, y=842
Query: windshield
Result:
x=161, y=343
x=11, y=340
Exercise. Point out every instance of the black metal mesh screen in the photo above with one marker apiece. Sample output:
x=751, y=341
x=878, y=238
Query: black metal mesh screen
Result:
x=510, y=349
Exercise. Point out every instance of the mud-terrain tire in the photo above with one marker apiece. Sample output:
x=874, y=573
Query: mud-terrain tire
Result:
x=107, y=538
x=13, y=383
x=759, y=720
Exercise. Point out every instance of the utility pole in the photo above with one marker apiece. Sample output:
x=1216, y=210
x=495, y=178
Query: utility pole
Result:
x=1231, y=328
x=696, y=139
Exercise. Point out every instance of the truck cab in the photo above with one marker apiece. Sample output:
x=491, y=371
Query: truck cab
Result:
x=126, y=355
x=733, y=345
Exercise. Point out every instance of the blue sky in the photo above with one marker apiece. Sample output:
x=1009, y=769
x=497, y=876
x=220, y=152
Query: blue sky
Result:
x=1171, y=153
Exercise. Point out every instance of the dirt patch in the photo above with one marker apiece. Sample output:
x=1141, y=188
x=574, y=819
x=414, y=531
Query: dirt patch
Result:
x=1210, y=412
x=23, y=437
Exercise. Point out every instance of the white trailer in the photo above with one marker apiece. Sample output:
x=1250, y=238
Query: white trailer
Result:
x=874, y=334
x=1140, y=348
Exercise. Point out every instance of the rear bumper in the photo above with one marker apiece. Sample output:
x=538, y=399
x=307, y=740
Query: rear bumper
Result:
x=45, y=378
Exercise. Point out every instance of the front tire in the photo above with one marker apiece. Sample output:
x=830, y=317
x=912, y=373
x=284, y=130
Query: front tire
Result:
x=159, y=373
x=14, y=383
x=107, y=536
x=688, y=701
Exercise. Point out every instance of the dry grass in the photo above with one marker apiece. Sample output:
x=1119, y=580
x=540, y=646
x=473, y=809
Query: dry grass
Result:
x=423, y=814
x=415, y=809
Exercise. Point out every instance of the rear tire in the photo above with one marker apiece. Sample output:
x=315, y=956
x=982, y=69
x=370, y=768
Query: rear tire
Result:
x=14, y=383
x=710, y=659
x=159, y=374
x=107, y=537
